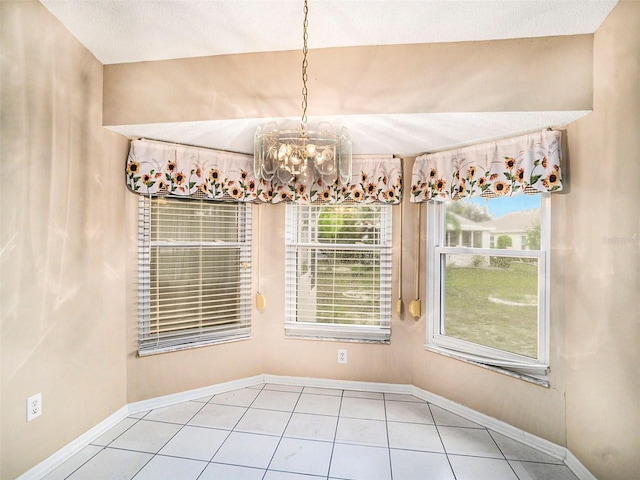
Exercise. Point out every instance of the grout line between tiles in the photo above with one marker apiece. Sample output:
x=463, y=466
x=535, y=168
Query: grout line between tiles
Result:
x=282, y=436
x=86, y=461
x=137, y=420
x=442, y=442
x=505, y=457
x=386, y=427
x=171, y=438
x=335, y=435
x=260, y=390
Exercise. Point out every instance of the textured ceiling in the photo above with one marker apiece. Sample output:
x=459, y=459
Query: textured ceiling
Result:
x=124, y=31
x=121, y=31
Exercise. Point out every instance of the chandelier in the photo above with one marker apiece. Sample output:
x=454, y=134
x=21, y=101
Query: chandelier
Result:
x=302, y=152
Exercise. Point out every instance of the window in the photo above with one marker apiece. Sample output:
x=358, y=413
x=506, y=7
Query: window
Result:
x=338, y=271
x=194, y=273
x=489, y=298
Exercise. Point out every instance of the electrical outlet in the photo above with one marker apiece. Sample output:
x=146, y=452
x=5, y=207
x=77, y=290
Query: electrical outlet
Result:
x=342, y=356
x=34, y=406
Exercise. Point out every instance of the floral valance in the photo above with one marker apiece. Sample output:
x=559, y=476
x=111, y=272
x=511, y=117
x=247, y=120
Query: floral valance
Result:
x=167, y=169
x=525, y=164
x=374, y=179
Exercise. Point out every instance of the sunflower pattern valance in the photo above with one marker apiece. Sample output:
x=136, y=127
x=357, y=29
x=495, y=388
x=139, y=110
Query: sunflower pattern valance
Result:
x=166, y=169
x=525, y=164
x=374, y=179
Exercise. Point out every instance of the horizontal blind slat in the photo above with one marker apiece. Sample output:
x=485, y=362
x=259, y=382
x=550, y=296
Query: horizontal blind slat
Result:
x=338, y=266
x=194, y=273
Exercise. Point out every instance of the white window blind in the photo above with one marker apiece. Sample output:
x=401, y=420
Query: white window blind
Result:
x=194, y=273
x=338, y=271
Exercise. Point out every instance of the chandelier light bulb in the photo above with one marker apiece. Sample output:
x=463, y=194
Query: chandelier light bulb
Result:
x=311, y=150
x=282, y=152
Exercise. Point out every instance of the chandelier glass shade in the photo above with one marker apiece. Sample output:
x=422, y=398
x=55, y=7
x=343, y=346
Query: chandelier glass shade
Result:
x=300, y=152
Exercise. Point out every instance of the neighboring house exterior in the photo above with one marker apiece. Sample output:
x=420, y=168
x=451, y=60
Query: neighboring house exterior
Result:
x=467, y=233
x=463, y=232
x=515, y=225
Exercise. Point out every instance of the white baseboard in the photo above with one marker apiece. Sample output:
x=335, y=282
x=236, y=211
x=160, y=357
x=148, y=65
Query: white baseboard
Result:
x=578, y=468
x=339, y=384
x=66, y=452
x=73, y=447
x=556, y=451
x=167, y=400
x=545, y=446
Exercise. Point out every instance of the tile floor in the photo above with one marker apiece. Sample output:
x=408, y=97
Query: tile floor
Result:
x=277, y=432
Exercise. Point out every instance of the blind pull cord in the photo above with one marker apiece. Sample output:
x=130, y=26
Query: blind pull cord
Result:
x=399, y=302
x=415, y=307
x=261, y=301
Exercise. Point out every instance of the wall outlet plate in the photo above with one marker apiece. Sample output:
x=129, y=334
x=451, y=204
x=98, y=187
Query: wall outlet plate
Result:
x=342, y=356
x=34, y=406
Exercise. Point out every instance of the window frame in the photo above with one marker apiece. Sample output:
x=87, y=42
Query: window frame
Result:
x=380, y=333
x=150, y=344
x=536, y=369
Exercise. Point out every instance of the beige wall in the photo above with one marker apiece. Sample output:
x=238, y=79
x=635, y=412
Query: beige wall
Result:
x=592, y=406
x=533, y=408
x=163, y=374
x=600, y=240
x=63, y=270
x=529, y=74
x=317, y=358
x=227, y=87
x=268, y=351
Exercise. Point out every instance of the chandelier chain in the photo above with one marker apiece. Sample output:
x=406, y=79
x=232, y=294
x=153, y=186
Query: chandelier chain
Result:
x=302, y=154
x=305, y=37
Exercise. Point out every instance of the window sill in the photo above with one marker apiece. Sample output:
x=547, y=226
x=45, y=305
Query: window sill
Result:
x=542, y=381
x=175, y=348
x=353, y=333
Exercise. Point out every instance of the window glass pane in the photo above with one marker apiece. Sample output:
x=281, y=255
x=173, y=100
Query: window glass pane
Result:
x=341, y=224
x=338, y=286
x=511, y=223
x=491, y=301
x=198, y=285
x=338, y=269
x=194, y=273
x=188, y=220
